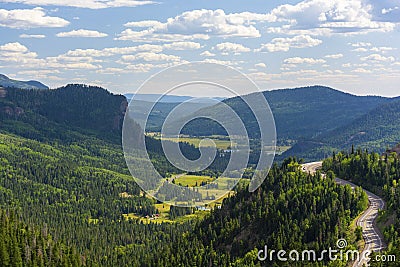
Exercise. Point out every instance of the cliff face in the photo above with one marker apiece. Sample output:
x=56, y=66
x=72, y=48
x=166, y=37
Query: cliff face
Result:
x=119, y=119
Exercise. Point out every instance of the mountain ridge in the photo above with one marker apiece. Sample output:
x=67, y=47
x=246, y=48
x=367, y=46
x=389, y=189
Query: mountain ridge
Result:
x=302, y=112
x=31, y=84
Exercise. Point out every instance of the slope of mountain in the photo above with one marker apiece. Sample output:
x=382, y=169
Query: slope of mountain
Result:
x=7, y=82
x=162, y=105
x=35, y=242
x=377, y=130
x=299, y=113
x=160, y=111
x=42, y=114
x=64, y=173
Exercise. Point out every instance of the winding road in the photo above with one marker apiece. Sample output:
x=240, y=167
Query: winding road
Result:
x=371, y=234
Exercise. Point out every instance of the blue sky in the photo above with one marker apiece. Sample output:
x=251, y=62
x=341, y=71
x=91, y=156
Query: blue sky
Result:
x=350, y=45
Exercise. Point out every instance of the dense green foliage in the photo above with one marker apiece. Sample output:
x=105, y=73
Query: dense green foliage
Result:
x=63, y=171
x=22, y=245
x=292, y=210
x=380, y=175
x=75, y=190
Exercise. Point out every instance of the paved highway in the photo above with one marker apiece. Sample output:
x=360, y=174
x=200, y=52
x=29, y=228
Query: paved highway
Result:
x=372, y=237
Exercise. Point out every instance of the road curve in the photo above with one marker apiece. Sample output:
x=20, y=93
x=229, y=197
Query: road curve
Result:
x=372, y=236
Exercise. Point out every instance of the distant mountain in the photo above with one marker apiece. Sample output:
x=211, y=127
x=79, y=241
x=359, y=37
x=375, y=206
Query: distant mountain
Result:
x=299, y=113
x=162, y=105
x=172, y=98
x=376, y=130
x=7, y=82
x=160, y=111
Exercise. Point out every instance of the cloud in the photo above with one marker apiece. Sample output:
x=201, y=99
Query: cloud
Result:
x=320, y=17
x=196, y=24
x=334, y=56
x=112, y=51
x=146, y=67
x=151, y=36
x=364, y=47
x=207, y=54
x=37, y=36
x=92, y=4
x=29, y=18
x=12, y=54
x=388, y=10
x=360, y=49
x=211, y=22
x=150, y=57
x=360, y=44
x=378, y=58
x=143, y=24
x=182, y=46
x=16, y=53
x=361, y=70
x=221, y=62
x=228, y=47
x=82, y=33
x=382, y=49
x=303, y=60
x=284, y=44
x=260, y=65
x=14, y=47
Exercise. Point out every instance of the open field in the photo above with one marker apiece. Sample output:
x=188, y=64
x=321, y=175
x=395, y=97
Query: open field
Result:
x=192, y=180
x=219, y=143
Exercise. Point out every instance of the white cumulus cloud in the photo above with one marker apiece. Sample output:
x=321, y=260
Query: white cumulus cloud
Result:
x=207, y=54
x=196, y=24
x=284, y=44
x=228, y=47
x=260, y=65
x=320, y=17
x=182, y=46
x=150, y=57
x=82, y=33
x=29, y=18
x=378, y=58
x=334, y=56
x=13, y=47
x=303, y=60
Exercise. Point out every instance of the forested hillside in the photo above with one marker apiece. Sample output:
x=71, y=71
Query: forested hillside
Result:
x=23, y=245
x=55, y=114
x=377, y=130
x=380, y=175
x=69, y=176
x=299, y=113
x=77, y=196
